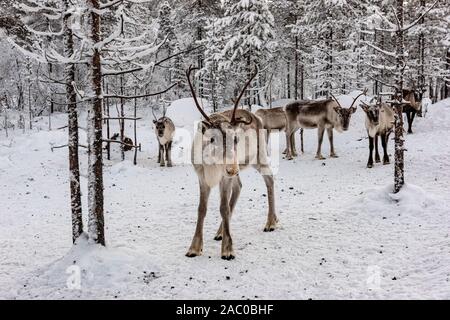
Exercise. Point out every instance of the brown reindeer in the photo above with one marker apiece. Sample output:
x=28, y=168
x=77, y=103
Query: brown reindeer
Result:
x=275, y=119
x=413, y=108
x=323, y=114
x=164, y=131
x=224, y=144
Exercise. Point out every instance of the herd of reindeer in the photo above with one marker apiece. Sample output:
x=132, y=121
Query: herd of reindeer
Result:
x=223, y=170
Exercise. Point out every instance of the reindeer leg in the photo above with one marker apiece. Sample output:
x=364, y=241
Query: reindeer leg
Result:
x=408, y=118
x=384, y=143
x=288, y=143
x=197, y=242
x=330, y=138
x=370, y=161
x=235, y=192
x=301, y=140
x=294, y=150
x=267, y=175
x=413, y=114
x=225, y=193
x=161, y=150
x=377, y=155
x=320, y=131
x=169, y=153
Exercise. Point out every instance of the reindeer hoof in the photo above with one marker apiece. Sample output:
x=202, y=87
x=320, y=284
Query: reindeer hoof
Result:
x=169, y=165
x=369, y=165
x=377, y=160
x=269, y=229
x=218, y=237
x=320, y=157
x=334, y=155
x=162, y=164
x=386, y=162
x=193, y=253
x=228, y=257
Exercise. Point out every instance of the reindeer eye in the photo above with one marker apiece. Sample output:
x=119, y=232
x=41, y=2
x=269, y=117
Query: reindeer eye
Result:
x=212, y=140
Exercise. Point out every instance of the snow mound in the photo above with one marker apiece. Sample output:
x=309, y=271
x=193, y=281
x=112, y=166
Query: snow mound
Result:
x=184, y=113
x=411, y=200
x=88, y=269
x=346, y=99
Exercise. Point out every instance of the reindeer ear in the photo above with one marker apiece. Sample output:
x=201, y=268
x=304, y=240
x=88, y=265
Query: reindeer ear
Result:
x=337, y=108
x=154, y=121
x=203, y=126
x=352, y=109
x=364, y=107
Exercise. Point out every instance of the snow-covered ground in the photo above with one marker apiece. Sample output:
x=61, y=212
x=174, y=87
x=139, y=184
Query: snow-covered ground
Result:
x=341, y=233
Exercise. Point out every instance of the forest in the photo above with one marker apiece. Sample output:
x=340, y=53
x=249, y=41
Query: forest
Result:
x=103, y=101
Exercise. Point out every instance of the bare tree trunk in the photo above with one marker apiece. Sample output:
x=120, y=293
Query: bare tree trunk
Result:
x=447, y=78
x=288, y=77
x=95, y=170
x=421, y=81
x=296, y=69
x=302, y=82
x=399, y=176
x=74, y=167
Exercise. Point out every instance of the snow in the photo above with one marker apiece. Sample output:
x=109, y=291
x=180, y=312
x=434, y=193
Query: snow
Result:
x=184, y=113
x=342, y=233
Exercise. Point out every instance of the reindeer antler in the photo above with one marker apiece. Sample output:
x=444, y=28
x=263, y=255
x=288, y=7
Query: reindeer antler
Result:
x=164, y=108
x=336, y=100
x=194, y=96
x=153, y=112
x=236, y=103
x=359, y=95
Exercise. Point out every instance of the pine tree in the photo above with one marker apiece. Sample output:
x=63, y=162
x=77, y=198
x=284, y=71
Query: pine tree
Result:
x=244, y=38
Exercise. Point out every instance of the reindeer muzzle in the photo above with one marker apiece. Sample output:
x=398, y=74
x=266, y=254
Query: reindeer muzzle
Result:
x=233, y=168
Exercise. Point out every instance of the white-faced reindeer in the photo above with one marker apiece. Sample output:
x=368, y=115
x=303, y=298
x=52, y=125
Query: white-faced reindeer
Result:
x=323, y=114
x=379, y=123
x=224, y=144
x=164, y=130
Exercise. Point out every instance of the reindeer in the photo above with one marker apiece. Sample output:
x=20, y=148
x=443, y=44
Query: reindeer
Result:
x=272, y=119
x=219, y=152
x=413, y=108
x=275, y=119
x=164, y=130
x=323, y=114
x=379, y=123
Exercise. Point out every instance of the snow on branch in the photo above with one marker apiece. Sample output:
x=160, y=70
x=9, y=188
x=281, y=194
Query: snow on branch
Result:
x=412, y=24
x=387, y=53
x=142, y=95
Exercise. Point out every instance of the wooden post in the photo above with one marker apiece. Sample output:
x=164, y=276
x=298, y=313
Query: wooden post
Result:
x=108, y=134
x=135, y=133
x=122, y=123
